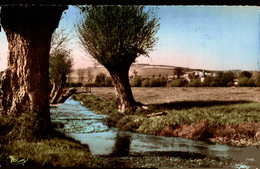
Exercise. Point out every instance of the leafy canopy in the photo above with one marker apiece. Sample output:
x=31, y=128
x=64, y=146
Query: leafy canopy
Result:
x=116, y=35
x=60, y=65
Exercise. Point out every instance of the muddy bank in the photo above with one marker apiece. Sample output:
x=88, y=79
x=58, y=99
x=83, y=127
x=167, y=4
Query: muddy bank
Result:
x=245, y=134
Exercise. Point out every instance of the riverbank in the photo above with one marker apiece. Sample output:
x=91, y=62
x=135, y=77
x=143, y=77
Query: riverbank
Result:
x=19, y=147
x=224, y=120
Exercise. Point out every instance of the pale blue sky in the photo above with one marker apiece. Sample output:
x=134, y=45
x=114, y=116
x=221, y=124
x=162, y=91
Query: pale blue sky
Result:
x=206, y=37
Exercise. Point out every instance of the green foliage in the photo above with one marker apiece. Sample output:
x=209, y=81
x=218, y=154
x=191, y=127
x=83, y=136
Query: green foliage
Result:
x=213, y=84
x=98, y=105
x=251, y=82
x=41, y=152
x=207, y=81
x=243, y=81
x=216, y=115
x=109, y=82
x=116, y=35
x=245, y=74
x=195, y=83
x=74, y=84
x=103, y=81
x=146, y=83
x=158, y=82
x=223, y=79
x=60, y=65
x=178, y=71
x=137, y=81
x=177, y=83
x=101, y=77
x=226, y=78
x=257, y=81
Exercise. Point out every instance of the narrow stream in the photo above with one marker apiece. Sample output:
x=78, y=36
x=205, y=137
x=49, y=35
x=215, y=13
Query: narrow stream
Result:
x=88, y=128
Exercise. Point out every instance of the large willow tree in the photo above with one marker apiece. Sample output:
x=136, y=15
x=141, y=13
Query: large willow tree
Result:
x=29, y=30
x=115, y=36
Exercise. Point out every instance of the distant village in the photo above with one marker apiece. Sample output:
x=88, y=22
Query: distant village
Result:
x=147, y=71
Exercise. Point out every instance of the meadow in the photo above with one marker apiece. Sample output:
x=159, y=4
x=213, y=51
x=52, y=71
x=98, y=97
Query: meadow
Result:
x=226, y=115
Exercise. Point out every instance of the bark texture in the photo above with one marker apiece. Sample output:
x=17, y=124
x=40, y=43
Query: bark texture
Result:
x=26, y=80
x=123, y=89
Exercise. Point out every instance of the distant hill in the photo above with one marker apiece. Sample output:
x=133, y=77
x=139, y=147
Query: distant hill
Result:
x=144, y=70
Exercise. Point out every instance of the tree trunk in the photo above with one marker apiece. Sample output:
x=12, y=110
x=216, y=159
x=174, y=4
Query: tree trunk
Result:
x=123, y=89
x=57, y=94
x=28, y=31
x=65, y=96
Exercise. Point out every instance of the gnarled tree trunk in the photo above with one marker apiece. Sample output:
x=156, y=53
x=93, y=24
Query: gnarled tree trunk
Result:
x=28, y=31
x=123, y=89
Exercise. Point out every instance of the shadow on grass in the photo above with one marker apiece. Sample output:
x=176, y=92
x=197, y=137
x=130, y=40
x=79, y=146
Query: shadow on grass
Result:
x=190, y=104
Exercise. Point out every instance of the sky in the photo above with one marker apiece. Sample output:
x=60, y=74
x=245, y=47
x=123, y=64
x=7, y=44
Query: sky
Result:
x=203, y=37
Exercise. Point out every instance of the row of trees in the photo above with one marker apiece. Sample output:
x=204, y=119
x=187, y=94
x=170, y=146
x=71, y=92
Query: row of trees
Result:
x=246, y=80
x=222, y=79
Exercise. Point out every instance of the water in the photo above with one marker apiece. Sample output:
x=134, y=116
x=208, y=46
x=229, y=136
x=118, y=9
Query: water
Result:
x=87, y=127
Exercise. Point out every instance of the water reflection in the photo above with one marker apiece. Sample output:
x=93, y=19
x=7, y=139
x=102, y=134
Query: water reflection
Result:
x=109, y=141
x=122, y=145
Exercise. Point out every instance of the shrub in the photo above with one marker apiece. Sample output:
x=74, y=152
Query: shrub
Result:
x=243, y=81
x=195, y=83
x=146, y=83
x=102, y=84
x=100, y=78
x=90, y=85
x=213, y=84
x=226, y=78
x=177, y=83
x=251, y=83
x=257, y=81
x=245, y=74
x=223, y=78
x=229, y=84
x=137, y=81
x=158, y=82
x=109, y=82
x=207, y=81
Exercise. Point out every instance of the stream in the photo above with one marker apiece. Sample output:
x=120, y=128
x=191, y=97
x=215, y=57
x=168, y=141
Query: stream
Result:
x=88, y=127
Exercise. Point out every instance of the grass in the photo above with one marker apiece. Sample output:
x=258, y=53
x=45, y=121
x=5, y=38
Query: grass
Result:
x=51, y=150
x=217, y=113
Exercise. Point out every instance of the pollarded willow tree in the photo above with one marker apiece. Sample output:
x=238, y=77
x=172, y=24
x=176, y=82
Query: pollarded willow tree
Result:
x=29, y=30
x=61, y=64
x=115, y=36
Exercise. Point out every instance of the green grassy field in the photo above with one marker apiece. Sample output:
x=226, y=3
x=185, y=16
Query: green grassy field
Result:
x=234, y=112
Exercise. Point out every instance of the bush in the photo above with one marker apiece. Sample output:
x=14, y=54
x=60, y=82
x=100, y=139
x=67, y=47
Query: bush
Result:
x=251, y=83
x=177, y=83
x=146, y=83
x=72, y=84
x=213, y=84
x=243, y=81
x=245, y=74
x=229, y=84
x=109, y=82
x=100, y=78
x=223, y=79
x=195, y=83
x=137, y=81
x=207, y=81
x=226, y=78
x=257, y=81
x=102, y=84
x=158, y=82
x=90, y=85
